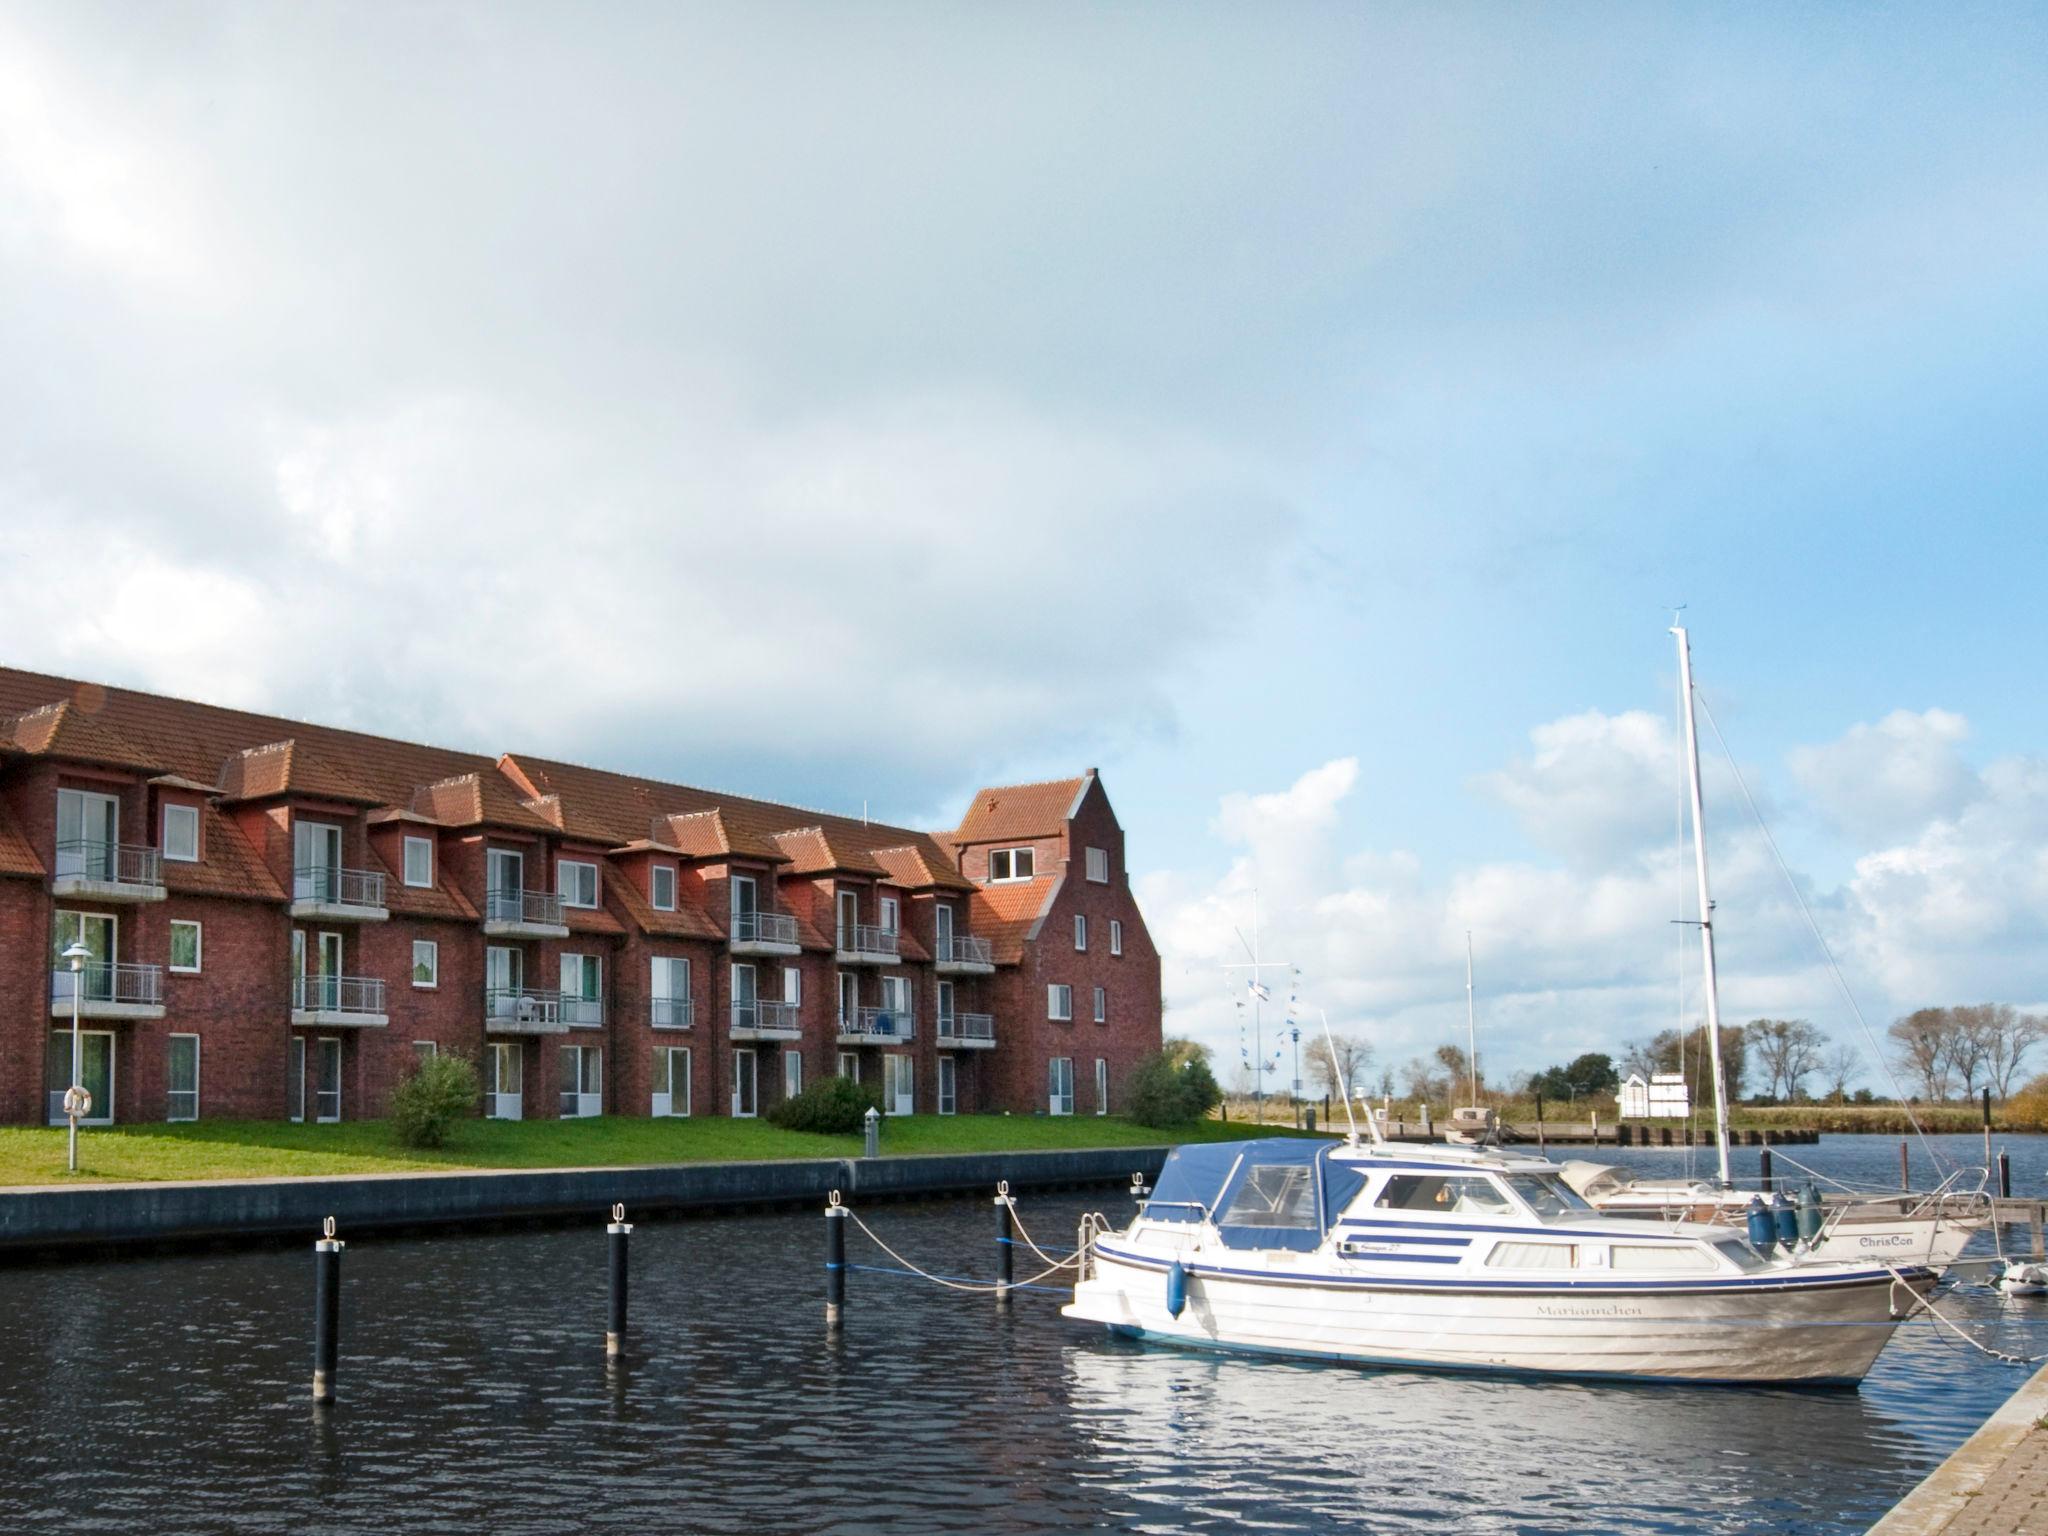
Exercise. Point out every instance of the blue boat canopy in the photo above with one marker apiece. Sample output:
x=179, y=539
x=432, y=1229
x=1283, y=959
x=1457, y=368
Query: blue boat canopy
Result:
x=1282, y=1192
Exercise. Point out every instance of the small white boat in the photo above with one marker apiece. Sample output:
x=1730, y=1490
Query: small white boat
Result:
x=2019, y=1278
x=1468, y=1258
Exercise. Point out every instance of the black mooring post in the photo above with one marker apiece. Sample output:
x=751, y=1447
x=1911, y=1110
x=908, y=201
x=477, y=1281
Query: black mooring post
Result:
x=617, y=1235
x=326, y=1311
x=2005, y=1175
x=1905, y=1168
x=1005, y=1246
x=1764, y=1163
x=835, y=1262
x=1987, y=1125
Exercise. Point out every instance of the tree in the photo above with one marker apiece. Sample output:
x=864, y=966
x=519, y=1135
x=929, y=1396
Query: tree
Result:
x=1586, y=1075
x=1386, y=1082
x=438, y=1091
x=1456, y=1070
x=1673, y=1050
x=2006, y=1036
x=1843, y=1062
x=1787, y=1051
x=1174, y=1087
x=1341, y=1075
x=1920, y=1050
x=1420, y=1080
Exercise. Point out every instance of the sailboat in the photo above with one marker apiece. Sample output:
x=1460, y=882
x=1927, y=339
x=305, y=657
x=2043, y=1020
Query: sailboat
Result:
x=1931, y=1228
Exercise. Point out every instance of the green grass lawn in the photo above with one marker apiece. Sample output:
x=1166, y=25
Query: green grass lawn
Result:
x=268, y=1149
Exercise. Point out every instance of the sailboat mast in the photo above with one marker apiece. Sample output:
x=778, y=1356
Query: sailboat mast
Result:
x=1699, y=857
x=1471, y=1030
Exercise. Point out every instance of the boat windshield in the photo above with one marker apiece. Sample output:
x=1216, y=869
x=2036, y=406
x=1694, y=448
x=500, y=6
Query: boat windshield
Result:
x=1739, y=1253
x=1445, y=1194
x=1548, y=1195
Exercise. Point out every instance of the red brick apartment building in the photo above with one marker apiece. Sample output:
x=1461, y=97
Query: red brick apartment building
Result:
x=281, y=917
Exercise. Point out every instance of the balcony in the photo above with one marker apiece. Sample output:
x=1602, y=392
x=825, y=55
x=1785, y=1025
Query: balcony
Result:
x=523, y=1011
x=338, y=895
x=582, y=1012
x=355, y=1002
x=862, y=944
x=876, y=1026
x=108, y=871
x=964, y=955
x=967, y=1031
x=764, y=933
x=524, y=915
x=108, y=990
x=670, y=1013
x=765, y=1021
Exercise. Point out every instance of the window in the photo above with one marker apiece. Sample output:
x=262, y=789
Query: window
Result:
x=898, y=1085
x=1116, y=937
x=1274, y=1195
x=1102, y=1005
x=577, y=883
x=295, y=1079
x=582, y=989
x=426, y=964
x=1098, y=865
x=1011, y=864
x=1059, y=1085
x=181, y=1101
x=949, y=1091
x=849, y=1066
x=419, y=861
x=889, y=914
x=582, y=1077
x=661, y=886
x=1641, y=1256
x=792, y=986
x=669, y=987
x=1101, y=1086
x=1059, y=1002
x=792, y=1074
x=1533, y=1256
x=181, y=833
x=896, y=997
x=1548, y=1196
x=1443, y=1194
x=671, y=1080
x=1080, y=931
x=424, y=1051
x=746, y=1102
x=184, y=946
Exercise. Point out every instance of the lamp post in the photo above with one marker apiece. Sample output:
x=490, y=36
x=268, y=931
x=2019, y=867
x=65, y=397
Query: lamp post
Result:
x=74, y=1096
x=1295, y=1033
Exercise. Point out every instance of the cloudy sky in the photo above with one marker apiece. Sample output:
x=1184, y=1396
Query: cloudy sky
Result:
x=1309, y=416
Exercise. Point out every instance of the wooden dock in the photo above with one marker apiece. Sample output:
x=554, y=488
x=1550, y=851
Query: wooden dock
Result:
x=1594, y=1133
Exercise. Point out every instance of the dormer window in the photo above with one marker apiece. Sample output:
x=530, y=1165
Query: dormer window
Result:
x=661, y=887
x=1098, y=865
x=576, y=882
x=1006, y=864
x=419, y=861
x=181, y=833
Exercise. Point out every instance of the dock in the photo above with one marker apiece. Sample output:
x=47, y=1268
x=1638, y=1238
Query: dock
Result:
x=1594, y=1133
x=1996, y=1484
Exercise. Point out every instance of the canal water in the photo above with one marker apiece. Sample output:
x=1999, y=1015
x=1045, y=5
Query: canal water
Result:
x=169, y=1394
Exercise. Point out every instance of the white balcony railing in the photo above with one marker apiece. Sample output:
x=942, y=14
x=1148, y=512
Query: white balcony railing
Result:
x=867, y=939
x=336, y=887
x=109, y=863
x=539, y=908
x=337, y=994
x=965, y=949
x=763, y=928
x=878, y=1024
x=670, y=1013
x=522, y=1009
x=971, y=1028
x=586, y=1011
x=102, y=981
x=765, y=1018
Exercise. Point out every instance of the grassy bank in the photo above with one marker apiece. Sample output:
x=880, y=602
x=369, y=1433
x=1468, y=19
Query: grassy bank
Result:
x=252, y=1149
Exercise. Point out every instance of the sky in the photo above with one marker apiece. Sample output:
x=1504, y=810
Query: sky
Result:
x=1311, y=417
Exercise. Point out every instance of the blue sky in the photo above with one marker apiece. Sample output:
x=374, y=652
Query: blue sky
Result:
x=864, y=402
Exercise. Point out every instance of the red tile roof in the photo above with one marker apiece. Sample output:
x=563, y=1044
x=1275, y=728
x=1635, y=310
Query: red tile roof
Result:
x=1007, y=915
x=811, y=852
x=64, y=729
x=477, y=799
x=708, y=835
x=287, y=768
x=592, y=920
x=231, y=866
x=686, y=922
x=435, y=900
x=1020, y=811
x=911, y=868
x=17, y=855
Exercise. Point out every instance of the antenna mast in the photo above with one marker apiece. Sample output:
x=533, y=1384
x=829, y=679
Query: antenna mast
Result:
x=1699, y=857
x=1258, y=992
x=1471, y=1029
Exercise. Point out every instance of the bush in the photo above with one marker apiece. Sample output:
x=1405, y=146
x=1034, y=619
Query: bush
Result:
x=2027, y=1110
x=433, y=1096
x=832, y=1106
x=1174, y=1087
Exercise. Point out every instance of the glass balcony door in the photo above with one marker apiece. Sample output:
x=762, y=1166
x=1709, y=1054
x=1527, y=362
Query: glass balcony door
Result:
x=504, y=1061
x=327, y=1088
x=95, y=983
x=897, y=1075
x=88, y=829
x=316, y=861
x=948, y=1086
x=95, y=1074
x=746, y=1086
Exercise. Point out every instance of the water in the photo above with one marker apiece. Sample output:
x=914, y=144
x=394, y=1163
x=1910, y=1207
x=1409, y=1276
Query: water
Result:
x=170, y=1394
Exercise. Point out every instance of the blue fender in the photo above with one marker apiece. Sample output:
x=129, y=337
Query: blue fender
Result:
x=1176, y=1289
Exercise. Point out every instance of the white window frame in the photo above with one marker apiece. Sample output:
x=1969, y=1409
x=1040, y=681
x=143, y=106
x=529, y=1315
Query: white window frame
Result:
x=424, y=845
x=948, y=1086
x=793, y=986
x=425, y=1050
x=295, y=1086
x=1101, y=1085
x=1059, y=1001
x=1057, y=1103
x=198, y=947
x=569, y=898
x=169, y=1090
x=433, y=949
x=320, y=1045
x=1102, y=1005
x=654, y=885
x=673, y=973
x=792, y=1074
x=1098, y=865
x=1010, y=858
x=892, y=915
x=897, y=996
x=584, y=1054
x=849, y=1065
x=1116, y=936
x=672, y=1051
x=586, y=966
x=752, y=1076
x=1080, y=933
x=189, y=813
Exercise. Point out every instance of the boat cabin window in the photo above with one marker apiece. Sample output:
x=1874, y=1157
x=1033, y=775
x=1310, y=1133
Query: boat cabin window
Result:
x=1443, y=1193
x=1642, y=1256
x=1739, y=1253
x=1533, y=1255
x=1274, y=1196
x=1548, y=1195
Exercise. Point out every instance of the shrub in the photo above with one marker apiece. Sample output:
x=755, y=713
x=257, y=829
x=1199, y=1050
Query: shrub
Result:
x=433, y=1096
x=832, y=1106
x=2027, y=1110
x=1174, y=1087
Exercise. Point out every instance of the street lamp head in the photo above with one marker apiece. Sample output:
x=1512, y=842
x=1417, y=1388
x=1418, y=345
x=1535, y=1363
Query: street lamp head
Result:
x=77, y=954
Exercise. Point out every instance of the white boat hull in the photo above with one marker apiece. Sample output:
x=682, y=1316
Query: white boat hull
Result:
x=1825, y=1332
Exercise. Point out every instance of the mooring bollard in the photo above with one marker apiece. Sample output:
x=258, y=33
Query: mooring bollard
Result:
x=1905, y=1169
x=835, y=1262
x=2005, y=1175
x=1006, y=1226
x=872, y=1123
x=326, y=1310
x=616, y=1236
x=1764, y=1163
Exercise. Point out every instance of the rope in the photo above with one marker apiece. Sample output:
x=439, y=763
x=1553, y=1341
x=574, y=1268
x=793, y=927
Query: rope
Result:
x=1957, y=1329
x=884, y=1269
x=1074, y=1255
x=988, y=1288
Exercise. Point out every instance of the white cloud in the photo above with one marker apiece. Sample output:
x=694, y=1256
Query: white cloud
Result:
x=1891, y=778
x=1594, y=787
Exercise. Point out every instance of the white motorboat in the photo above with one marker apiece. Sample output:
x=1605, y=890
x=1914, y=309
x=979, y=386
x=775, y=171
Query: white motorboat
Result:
x=1468, y=1258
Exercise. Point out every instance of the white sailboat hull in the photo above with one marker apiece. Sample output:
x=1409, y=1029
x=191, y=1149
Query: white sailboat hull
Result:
x=1782, y=1330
